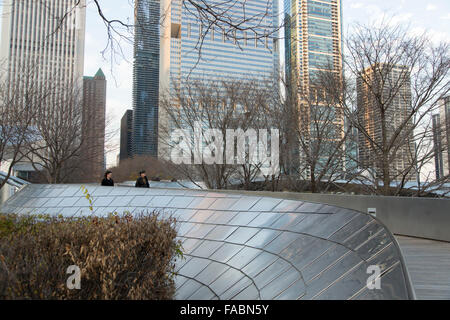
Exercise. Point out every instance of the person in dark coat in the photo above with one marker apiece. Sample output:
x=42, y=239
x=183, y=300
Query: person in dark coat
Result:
x=142, y=181
x=107, y=180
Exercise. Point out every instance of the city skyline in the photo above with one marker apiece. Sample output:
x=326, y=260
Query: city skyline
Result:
x=433, y=17
x=218, y=154
x=191, y=53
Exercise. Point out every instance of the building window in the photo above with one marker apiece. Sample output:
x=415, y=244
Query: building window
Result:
x=212, y=34
x=245, y=38
x=189, y=30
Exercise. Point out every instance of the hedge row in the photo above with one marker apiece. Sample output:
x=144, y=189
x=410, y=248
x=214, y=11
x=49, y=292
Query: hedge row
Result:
x=118, y=257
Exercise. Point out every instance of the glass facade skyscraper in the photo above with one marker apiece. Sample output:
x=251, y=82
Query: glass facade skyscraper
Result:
x=217, y=58
x=239, y=56
x=313, y=38
x=313, y=45
x=146, y=78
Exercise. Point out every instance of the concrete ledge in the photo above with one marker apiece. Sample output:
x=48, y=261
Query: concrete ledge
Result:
x=416, y=217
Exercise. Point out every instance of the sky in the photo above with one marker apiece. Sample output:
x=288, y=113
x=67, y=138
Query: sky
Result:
x=431, y=16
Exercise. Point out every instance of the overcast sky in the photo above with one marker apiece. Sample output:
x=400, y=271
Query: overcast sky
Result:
x=431, y=16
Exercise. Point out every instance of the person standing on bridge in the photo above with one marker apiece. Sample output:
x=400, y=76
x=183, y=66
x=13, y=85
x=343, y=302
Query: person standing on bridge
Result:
x=142, y=181
x=107, y=180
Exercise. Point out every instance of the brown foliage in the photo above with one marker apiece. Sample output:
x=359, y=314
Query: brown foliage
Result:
x=120, y=257
x=128, y=169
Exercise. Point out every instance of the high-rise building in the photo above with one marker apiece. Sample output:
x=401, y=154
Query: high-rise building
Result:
x=313, y=46
x=40, y=50
x=146, y=77
x=313, y=39
x=33, y=38
x=397, y=88
x=176, y=49
x=126, y=133
x=437, y=141
x=244, y=55
x=93, y=122
x=444, y=115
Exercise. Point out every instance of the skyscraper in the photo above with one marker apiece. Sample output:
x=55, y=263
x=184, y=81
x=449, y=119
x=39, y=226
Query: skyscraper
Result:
x=146, y=77
x=126, y=132
x=179, y=57
x=396, y=90
x=207, y=55
x=93, y=120
x=313, y=39
x=438, y=150
x=444, y=115
x=313, y=45
x=43, y=54
x=34, y=38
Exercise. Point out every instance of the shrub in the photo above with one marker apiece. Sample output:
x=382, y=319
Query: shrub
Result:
x=120, y=257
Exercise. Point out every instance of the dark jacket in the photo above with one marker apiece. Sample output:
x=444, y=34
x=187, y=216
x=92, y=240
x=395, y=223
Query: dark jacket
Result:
x=108, y=183
x=142, y=183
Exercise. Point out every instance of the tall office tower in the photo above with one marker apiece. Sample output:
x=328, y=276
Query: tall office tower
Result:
x=438, y=150
x=313, y=44
x=444, y=113
x=33, y=38
x=370, y=82
x=313, y=39
x=146, y=77
x=240, y=57
x=126, y=132
x=93, y=123
x=176, y=49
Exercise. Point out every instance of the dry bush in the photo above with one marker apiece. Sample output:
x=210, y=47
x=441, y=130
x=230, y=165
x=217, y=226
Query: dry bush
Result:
x=128, y=169
x=120, y=257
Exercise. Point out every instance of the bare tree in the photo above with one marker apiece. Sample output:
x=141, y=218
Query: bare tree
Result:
x=64, y=147
x=222, y=106
x=400, y=79
x=59, y=125
x=17, y=113
x=318, y=135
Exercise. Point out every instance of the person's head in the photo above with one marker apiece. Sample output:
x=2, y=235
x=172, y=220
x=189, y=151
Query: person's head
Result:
x=142, y=173
x=108, y=174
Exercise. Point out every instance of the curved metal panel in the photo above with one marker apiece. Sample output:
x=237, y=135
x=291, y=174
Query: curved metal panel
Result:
x=247, y=247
